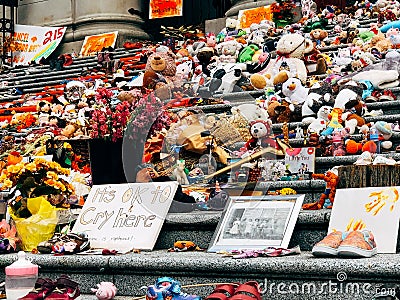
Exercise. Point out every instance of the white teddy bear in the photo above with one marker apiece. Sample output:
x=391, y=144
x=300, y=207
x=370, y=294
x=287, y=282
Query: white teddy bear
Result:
x=228, y=51
x=290, y=50
x=320, y=123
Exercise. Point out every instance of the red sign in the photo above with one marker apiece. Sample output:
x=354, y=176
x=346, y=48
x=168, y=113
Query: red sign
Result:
x=165, y=8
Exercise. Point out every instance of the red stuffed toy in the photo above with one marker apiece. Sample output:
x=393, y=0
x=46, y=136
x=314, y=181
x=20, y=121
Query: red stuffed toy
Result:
x=260, y=131
x=327, y=198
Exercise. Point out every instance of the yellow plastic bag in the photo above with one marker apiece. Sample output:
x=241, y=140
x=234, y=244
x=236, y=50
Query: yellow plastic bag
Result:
x=40, y=226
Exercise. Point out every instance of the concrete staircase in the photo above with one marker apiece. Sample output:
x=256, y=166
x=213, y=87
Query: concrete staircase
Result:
x=293, y=277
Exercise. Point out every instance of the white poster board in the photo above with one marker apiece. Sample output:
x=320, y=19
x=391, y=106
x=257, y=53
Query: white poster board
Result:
x=374, y=208
x=125, y=216
x=31, y=43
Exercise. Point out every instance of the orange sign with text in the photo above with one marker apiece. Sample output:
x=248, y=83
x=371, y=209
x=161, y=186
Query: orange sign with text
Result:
x=95, y=43
x=165, y=8
x=254, y=15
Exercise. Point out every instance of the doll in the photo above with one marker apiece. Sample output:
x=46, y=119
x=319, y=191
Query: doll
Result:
x=328, y=196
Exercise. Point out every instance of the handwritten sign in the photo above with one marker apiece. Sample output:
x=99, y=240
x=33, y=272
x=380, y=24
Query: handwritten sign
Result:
x=165, y=8
x=300, y=160
x=125, y=216
x=247, y=17
x=95, y=43
x=31, y=43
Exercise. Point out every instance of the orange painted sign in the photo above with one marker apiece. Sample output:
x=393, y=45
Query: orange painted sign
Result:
x=95, y=43
x=165, y=8
x=254, y=15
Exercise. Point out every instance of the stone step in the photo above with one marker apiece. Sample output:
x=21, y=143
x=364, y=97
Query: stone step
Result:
x=293, y=277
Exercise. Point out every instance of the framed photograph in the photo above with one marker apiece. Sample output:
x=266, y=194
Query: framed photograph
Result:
x=256, y=222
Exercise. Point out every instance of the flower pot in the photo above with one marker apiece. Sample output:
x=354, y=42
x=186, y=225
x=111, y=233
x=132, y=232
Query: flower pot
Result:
x=106, y=161
x=281, y=23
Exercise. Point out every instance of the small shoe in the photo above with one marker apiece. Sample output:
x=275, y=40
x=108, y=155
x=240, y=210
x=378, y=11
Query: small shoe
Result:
x=247, y=291
x=387, y=95
x=329, y=245
x=358, y=244
x=46, y=247
x=43, y=287
x=222, y=292
x=65, y=289
x=374, y=97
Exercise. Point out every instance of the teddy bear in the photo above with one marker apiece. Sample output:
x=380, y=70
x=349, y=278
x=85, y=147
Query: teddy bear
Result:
x=320, y=94
x=247, y=53
x=319, y=124
x=160, y=72
x=284, y=112
x=314, y=61
x=67, y=132
x=353, y=116
x=130, y=96
x=260, y=82
x=260, y=131
x=343, y=57
x=352, y=147
x=290, y=50
x=250, y=112
x=206, y=57
x=230, y=29
x=317, y=36
x=43, y=108
x=184, y=71
x=228, y=51
x=297, y=94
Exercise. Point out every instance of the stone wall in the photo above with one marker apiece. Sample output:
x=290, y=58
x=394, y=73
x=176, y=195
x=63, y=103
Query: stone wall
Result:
x=84, y=17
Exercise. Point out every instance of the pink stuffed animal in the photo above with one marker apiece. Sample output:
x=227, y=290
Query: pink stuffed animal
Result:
x=105, y=291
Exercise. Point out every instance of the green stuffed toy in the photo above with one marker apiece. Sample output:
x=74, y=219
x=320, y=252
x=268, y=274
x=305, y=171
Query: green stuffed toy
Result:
x=247, y=53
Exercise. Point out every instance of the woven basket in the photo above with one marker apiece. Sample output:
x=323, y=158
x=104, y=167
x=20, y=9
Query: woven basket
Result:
x=226, y=134
x=241, y=125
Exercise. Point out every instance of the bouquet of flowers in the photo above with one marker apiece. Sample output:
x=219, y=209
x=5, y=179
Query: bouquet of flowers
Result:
x=282, y=11
x=35, y=179
x=109, y=120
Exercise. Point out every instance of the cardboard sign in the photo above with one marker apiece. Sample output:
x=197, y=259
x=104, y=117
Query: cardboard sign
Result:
x=247, y=17
x=374, y=208
x=165, y=8
x=300, y=161
x=125, y=216
x=95, y=43
x=31, y=43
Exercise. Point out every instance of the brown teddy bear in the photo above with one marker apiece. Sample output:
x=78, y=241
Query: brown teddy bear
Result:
x=318, y=36
x=279, y=112
x=314, y=61
x=129, y=96
x=160, y=73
